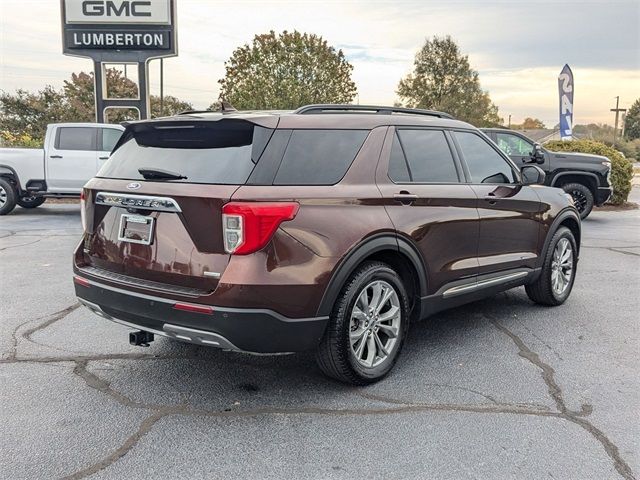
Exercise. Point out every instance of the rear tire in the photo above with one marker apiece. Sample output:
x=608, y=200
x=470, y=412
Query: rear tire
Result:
x=555, y=282
x=30, y=202
x=7, y=196
x=363, y=322
x=582, y=198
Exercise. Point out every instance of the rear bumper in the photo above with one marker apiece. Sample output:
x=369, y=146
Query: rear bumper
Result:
x=251, y=330
x=602, y=195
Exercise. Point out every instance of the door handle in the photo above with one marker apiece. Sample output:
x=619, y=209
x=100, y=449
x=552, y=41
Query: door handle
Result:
x=103, y=158
x=55, y=156
x=405, y=197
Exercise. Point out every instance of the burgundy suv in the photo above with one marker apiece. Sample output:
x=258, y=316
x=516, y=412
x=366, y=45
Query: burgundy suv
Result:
x=330, y=228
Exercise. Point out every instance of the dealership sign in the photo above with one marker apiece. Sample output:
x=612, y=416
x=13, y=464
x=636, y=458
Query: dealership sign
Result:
x=565, y=92
x=126, y=30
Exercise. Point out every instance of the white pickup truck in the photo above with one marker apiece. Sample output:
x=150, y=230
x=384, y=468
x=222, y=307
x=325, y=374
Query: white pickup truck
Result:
x=72, y=154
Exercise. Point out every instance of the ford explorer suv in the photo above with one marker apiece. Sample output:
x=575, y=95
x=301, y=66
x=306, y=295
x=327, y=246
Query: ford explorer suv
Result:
x=583, y=176
x=72, y=154
x=331, y=228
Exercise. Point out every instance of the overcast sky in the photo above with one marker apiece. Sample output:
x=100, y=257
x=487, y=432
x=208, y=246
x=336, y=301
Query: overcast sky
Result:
x=519, y=47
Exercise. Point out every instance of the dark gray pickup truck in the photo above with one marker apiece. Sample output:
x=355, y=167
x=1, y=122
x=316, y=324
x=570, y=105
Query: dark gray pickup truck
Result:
x=585, y=177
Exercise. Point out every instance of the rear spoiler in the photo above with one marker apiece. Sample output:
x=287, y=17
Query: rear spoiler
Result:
x=144, y=130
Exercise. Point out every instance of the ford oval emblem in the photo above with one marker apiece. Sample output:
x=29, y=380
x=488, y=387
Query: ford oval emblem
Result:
x=134, y=186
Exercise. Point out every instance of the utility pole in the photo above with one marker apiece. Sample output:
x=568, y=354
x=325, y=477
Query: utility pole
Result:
x=617, y=110
x=509, y=121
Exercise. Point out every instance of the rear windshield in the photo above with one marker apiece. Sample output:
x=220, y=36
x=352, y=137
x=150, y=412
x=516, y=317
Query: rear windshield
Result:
x=223, y=152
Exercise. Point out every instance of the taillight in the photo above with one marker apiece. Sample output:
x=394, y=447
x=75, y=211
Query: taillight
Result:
x=83, y=215
x=248, y=226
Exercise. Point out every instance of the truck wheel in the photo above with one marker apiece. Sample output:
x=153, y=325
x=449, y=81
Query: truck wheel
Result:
x=582, y=198
x=7, y=196
x=555, y=282
x=31, y=202
x=367, y=326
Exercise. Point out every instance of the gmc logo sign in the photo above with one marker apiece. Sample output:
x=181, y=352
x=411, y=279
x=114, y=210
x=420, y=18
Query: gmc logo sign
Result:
x=137, y=12
x=109, y=8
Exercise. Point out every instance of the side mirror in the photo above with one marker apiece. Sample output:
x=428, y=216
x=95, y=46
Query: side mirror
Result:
x=537, y=156
x=532, y=175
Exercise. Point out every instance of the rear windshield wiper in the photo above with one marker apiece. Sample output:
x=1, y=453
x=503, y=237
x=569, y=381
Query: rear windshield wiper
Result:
x=157, y=174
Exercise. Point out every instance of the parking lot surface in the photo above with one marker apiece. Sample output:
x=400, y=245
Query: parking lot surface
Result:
x=497, y=389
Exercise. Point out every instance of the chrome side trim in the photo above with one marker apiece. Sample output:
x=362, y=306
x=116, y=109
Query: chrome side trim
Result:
x=189, y=335
x=482, y=284
x=212, y=274
x=143, y=202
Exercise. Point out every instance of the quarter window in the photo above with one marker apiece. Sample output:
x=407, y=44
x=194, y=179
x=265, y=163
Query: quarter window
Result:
x=421, y=156
x=319, y=157
x=484, y=163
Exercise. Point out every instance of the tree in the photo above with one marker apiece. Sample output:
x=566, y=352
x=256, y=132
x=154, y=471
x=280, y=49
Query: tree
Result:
x=528, y=124
x=532, y=124
x=24, y=115
x=442, y=79
x=79, y=94
x=632, y=121
x=286, y=71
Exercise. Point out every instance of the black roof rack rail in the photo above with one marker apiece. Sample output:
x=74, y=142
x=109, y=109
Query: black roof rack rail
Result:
x=345, y=108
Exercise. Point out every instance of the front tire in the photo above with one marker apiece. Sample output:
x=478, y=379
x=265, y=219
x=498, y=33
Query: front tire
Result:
x=555, y=282
x=582, y=198
x=31, y=202
x=7, y=197
x=367, y=326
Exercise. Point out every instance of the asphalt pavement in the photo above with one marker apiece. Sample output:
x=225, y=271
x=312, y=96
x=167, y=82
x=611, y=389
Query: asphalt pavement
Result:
x=498, y=389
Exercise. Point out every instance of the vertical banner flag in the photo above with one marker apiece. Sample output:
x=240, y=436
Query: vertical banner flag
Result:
x=565, y=90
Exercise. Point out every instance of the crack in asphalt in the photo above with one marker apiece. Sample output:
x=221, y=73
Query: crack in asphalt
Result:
x=548, y=376
x=20, y=245
x=399, y=406
x=48, y=320
x=160, y=411
x=616, y=249
x=121, y=451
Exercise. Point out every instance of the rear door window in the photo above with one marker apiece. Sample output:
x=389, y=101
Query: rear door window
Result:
x=319, y=157
x=76, y=138
x=421, y=156
x=222, y=152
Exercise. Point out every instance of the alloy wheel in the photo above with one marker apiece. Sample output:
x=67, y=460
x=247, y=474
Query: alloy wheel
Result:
x=561, y=266
x=3, y=196
x=375, y=324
